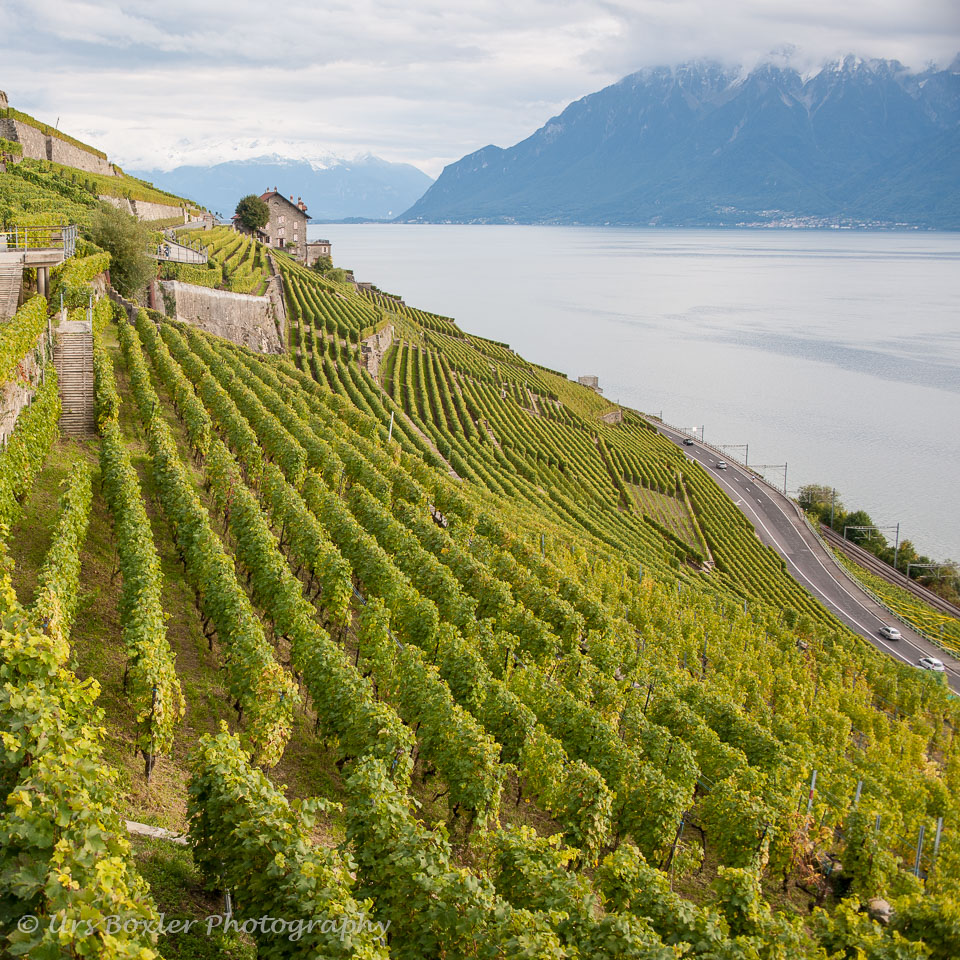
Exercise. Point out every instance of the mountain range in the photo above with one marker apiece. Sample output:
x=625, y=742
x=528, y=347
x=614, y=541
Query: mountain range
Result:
x=333, y=189
x=858, y=142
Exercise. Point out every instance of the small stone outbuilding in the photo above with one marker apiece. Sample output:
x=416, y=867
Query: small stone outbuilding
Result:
x=317, y=249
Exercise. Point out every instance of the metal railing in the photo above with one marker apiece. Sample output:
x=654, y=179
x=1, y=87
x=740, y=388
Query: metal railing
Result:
x=42, y=237
x=173, y=251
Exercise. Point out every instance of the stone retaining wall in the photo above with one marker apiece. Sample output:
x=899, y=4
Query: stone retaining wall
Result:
x=373, y=348
x=243, y=319
x=275, y=295
x=144, y=209
x=41, y=146
x=613, y=416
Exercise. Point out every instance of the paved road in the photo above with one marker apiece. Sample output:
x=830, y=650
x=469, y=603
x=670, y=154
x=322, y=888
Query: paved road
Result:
x=779, y=524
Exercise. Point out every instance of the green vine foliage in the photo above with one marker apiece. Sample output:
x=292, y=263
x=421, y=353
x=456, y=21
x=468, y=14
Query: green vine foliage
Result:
x=434, y=907
x=58, y=581
x=931, y=921
x=533, y=872
x=847, y=931
x=72, y=279
x=23, y=456
x=64, y=855
x=343, y=699
x=248, y=839
x=629, y=884
x=152, y=680
x=264, y=693
x=189, y=409
x=20, y=335
x=106, y=399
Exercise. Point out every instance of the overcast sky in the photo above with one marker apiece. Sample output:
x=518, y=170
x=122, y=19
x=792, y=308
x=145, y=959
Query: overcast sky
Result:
x=421, y=81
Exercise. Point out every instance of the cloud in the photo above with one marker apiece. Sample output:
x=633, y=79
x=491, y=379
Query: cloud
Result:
x=421, y=81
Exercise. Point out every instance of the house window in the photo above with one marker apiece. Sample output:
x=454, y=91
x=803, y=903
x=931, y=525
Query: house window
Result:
x=295, y=238
x=283, y=219
x=280, y=232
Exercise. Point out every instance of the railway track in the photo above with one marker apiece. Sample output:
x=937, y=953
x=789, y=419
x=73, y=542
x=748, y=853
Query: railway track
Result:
x=876, y=566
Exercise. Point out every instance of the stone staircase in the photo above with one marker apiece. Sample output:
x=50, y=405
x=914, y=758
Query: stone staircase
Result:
x=11, y=277
x=73, y=357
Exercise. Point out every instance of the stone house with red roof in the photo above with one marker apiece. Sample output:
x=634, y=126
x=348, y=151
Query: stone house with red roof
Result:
x=287, y=228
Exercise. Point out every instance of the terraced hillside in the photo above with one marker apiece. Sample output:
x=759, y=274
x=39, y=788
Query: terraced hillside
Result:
x=37, y=190
x=236, y=262
x=434, y=660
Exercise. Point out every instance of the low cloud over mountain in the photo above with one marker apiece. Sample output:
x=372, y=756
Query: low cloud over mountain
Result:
x=859, y=141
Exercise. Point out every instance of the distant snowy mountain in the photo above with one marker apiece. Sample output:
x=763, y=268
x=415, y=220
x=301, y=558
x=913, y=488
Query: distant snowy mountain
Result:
x=333, y=189
x=859, y=141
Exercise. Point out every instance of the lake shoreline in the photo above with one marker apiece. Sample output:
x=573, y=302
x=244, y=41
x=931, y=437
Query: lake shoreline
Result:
x=835, y=351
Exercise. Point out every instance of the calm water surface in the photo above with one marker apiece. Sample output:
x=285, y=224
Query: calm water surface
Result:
x=836, y=352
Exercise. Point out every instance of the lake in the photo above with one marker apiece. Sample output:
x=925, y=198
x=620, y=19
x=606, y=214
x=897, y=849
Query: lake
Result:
x=836, y=352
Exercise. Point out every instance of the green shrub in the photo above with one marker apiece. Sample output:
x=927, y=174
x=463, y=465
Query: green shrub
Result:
x=126, y=240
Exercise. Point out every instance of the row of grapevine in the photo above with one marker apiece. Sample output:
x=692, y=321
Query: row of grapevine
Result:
x=264, y=694
x=20, y=334
x=438, y=585
x=151, y=676
x=247, y=838
x=152, y=683
x=58, y=581
x=345, y=704
x=66, y=857
x=22, y=458
x=448, y=737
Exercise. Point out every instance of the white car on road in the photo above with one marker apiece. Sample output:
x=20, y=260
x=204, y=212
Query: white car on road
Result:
x=931, y=663
x=891, y=633
x=721, y=464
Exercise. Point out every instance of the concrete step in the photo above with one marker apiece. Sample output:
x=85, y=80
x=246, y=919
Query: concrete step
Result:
x=11, y=279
